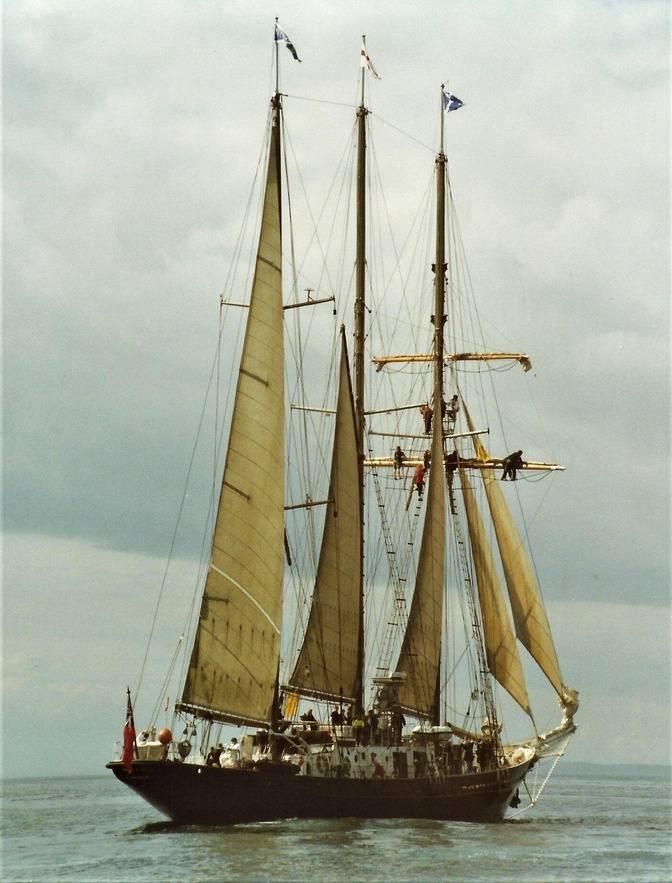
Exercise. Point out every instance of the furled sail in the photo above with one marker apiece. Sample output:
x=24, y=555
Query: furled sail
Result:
x=420, y=655
x=328, y=663
x=500, y=643
x=234, y=663
x=527, y=606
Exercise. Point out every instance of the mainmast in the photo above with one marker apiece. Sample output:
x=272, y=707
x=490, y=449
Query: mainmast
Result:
x=360, y=332
x=440, y=268
x=439, y=317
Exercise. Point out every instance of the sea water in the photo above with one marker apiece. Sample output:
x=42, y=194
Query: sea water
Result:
x=586, y=828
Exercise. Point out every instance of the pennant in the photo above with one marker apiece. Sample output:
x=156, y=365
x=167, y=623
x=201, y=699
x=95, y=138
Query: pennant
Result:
x=451, y=102
x=367, y=63
x=129, y=737
x=281, y=37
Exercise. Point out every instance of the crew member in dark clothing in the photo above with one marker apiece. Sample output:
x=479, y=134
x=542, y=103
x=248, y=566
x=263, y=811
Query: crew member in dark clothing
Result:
x=309, y=718
x=399, y=458
x=450, y=461
x=468, y=751
x=427, y=414
x=213, y=758
x=427, y=459
x=398, y=723
x=373, y=724
x=336, y=718
x=511, y=464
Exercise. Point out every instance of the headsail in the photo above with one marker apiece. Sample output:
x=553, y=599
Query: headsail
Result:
x=234, y=663
x=328, y=663
x=500, y=643
x=527, y=605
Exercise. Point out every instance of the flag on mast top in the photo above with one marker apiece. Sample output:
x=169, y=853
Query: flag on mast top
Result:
x=366, y=61
x=451, y=102
x=281, y=37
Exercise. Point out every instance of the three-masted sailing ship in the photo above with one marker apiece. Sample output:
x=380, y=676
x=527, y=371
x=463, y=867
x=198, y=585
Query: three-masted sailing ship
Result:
x=410, y=722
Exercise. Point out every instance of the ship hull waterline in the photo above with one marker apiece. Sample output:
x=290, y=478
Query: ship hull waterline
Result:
x=192, y=794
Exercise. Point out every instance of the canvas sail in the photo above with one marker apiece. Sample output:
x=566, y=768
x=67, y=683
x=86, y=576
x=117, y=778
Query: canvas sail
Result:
x=234, y=663
x=500, y=643
x=328, y=663
x=420, y=656
x=527, y=606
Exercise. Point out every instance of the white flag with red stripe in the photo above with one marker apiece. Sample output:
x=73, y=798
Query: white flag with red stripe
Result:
x=367, y=63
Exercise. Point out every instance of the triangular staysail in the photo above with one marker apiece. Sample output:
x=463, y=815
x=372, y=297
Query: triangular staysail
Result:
x=500, y=643
x=420, y=656
x=234, y=663
x=328, y=663
x=527, y=605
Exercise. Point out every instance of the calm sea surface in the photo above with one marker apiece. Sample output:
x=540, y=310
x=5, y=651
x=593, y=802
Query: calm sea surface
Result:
x=584, y=829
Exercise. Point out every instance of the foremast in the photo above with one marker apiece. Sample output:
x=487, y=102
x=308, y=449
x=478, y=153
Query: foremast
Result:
x=330, y=663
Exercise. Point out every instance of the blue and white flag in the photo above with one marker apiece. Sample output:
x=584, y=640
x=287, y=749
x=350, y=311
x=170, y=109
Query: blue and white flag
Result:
x=451, y=102
x=281, y=37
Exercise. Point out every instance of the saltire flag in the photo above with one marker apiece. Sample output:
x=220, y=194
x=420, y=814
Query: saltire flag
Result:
x=451, y=102
x=367, y=63
x=129, y=737
x=281, y=37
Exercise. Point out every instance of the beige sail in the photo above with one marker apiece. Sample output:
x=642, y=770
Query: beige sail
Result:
x=527, y=605
x=500, y=643
x=329, y=661
x=420, y=655
x=234, y=663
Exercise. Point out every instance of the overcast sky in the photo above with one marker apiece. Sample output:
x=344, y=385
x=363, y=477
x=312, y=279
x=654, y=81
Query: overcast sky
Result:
x=131, y=133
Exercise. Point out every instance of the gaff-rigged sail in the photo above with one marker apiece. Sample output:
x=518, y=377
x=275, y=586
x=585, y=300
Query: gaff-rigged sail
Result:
x=527, y=606
x=234, y=663
x=420, y=655
x=500, y=643
x=328, y=663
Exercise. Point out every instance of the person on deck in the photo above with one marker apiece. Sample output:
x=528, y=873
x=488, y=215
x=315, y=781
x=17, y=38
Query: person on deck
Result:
x=419, y=480
x=511, y=464
x=398, y=722
x=309, y=718
x=358, y=727
x=399, y=458
x=468, y=753
x=427, y=414
x=373, y=725
x=213, y=758
x=336, y=718
x=231, y=755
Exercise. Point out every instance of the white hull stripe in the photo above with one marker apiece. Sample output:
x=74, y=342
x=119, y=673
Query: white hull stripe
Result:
x=247, y=595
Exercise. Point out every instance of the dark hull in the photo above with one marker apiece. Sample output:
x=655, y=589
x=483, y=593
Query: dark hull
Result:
x=190, y=794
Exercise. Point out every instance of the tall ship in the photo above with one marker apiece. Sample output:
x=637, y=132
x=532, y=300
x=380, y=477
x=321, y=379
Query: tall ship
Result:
x=370, y=616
